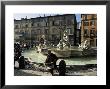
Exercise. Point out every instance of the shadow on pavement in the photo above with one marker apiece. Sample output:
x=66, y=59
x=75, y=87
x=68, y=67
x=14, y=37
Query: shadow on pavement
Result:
x=18, y=72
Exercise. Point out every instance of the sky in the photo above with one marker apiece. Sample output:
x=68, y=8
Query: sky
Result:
x=78, y=17
x=19, y=16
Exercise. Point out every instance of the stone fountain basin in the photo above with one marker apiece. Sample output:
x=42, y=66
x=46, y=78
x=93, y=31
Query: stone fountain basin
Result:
x=67, y=53
x=74, y=53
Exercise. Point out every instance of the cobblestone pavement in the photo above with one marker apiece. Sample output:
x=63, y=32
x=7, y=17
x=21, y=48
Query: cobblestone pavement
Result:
x=36, y=70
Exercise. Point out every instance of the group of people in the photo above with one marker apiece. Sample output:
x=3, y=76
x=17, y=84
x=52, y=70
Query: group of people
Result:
x=49, y=62
x=18, y=56
x=17, y=51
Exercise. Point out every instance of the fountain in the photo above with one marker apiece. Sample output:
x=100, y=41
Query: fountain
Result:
x=64, y=50
x=64, y=43
x=87, y=50
x=63, y=47
x=84, y=45
x=42, y=48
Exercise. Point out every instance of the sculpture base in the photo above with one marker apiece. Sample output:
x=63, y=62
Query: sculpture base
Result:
x=74, y=53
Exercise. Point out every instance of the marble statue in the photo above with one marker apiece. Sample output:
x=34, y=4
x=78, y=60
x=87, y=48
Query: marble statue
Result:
x=64, y=42
x=84, y=45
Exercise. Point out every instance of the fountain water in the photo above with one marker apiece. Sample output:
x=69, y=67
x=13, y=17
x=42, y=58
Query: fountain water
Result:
x=64, y=49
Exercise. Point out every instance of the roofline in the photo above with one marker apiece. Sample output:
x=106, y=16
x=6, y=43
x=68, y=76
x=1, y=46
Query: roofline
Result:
x=42, y=17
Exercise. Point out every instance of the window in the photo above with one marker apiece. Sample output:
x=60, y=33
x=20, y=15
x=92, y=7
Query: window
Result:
x=38, y=24
x=92, y=32
x=86, y=32
x=69, y=31
x=56, y=23
x=53, y=23
x=32, y=24
x=92, y=16
x=85, y=17
x=26, y=25
x=46, y=24
x=92, y=23
x=16, y=26
x=46, y=31
x=91, y=42
x=61, y=23
x=86, y=23
x=68, y=22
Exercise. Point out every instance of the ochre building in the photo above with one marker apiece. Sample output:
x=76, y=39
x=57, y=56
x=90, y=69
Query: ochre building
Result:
x=89, y=29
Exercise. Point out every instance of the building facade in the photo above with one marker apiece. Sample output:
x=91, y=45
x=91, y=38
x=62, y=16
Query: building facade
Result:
x=50, y=27
x=89, y=29
x=78, y=34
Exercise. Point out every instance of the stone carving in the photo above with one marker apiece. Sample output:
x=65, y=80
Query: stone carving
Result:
x=42, y=42
x=60, y=45
x=64, y=42
x=84, y=45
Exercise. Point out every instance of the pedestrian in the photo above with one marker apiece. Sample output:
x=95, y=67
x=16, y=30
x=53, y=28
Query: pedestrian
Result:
x=21, y=62
x=62, y=68
x=51, y=61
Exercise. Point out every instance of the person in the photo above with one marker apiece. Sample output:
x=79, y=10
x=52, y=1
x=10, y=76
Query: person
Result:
x=17, y=52
x=51, y=61
x=21, y=62
x=16, y=57
x=62, y=68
